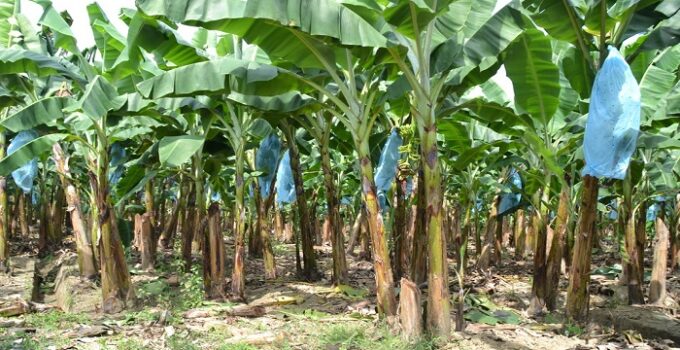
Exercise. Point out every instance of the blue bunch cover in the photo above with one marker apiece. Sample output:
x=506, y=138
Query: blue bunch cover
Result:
x=117, y=159
x=35, y=197
x=613, y=213
x=24, y=176
x=387, y=166
x=265, y=160
x=409, y=186
x=652, y=212
x=479, y=205
x=613, y=119
x=215, y=196
x=285, y=186
x=510, y=200
x=655, y=208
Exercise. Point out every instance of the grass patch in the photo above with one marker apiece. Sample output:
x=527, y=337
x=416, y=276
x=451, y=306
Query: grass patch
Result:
x=279, y=248
x=25, y=341
x=56, y=320
x=190, y=294
x=237, y=347
x=177, y=343
x=130, y=344
x=307, y=314
x=141, y=317
x=157, y=291
x=360, y=337
x=572, y=329
x=344, y=337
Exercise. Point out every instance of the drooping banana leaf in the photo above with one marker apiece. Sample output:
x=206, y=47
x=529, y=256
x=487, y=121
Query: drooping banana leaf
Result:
x=472, y=35
x=160, y=39
x=8, y=8
x=290, y=31
x=215, y=74
x=99, y=98
x=16, y=60
x=174, y=151
x=560, y=18
x=35, y=114
x=63, y=35
x=536, y=79
x=110, y=43
x=34, y=149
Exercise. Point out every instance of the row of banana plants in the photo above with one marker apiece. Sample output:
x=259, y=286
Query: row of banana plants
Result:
x=480, y=91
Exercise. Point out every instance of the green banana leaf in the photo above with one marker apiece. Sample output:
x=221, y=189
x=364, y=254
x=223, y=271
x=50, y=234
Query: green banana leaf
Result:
x=535, y=78
x=174, y=151
x=34, y=149
x=35, y=114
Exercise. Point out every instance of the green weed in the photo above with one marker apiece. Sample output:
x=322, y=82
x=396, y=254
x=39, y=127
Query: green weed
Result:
x=571, y=329
x=191, y=285
x=191, y=292
x=237, y=347
x=56, y=320
x=344, y=337
x=130, y=344
x=157, y=290
x=357, y=337
x=139, y=317
x=279, y=248
x=28, y=342
x=176, y=343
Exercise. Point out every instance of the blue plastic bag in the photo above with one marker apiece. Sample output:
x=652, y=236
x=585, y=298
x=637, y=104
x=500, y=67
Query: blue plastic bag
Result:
x=478, y=206
x=387, y=166
x=510, y=200
x=613, y=119
x=214, y=196
x=24, y=176
x=285, y=185
x=652, y=212
x=35, y=197
x=654, y=209
x=265, y=160
x=117, y=159
x=613, y=213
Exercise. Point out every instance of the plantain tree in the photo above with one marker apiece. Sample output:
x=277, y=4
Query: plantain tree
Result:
x=320, y=125
x=232, y=77
x=587, y=29
x=339, y=39
x=29, y=73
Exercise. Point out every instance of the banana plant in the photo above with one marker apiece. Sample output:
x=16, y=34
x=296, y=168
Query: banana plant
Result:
x=588, y=28
x=474, y=157
x=87, y=123
x=25, y=66
x=232, y=116
x=357, y=27
x=437, y=46
x=320, y=126
x=303, y=49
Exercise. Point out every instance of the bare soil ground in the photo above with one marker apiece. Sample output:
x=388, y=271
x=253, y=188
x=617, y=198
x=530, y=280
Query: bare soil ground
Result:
x=172, y=314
